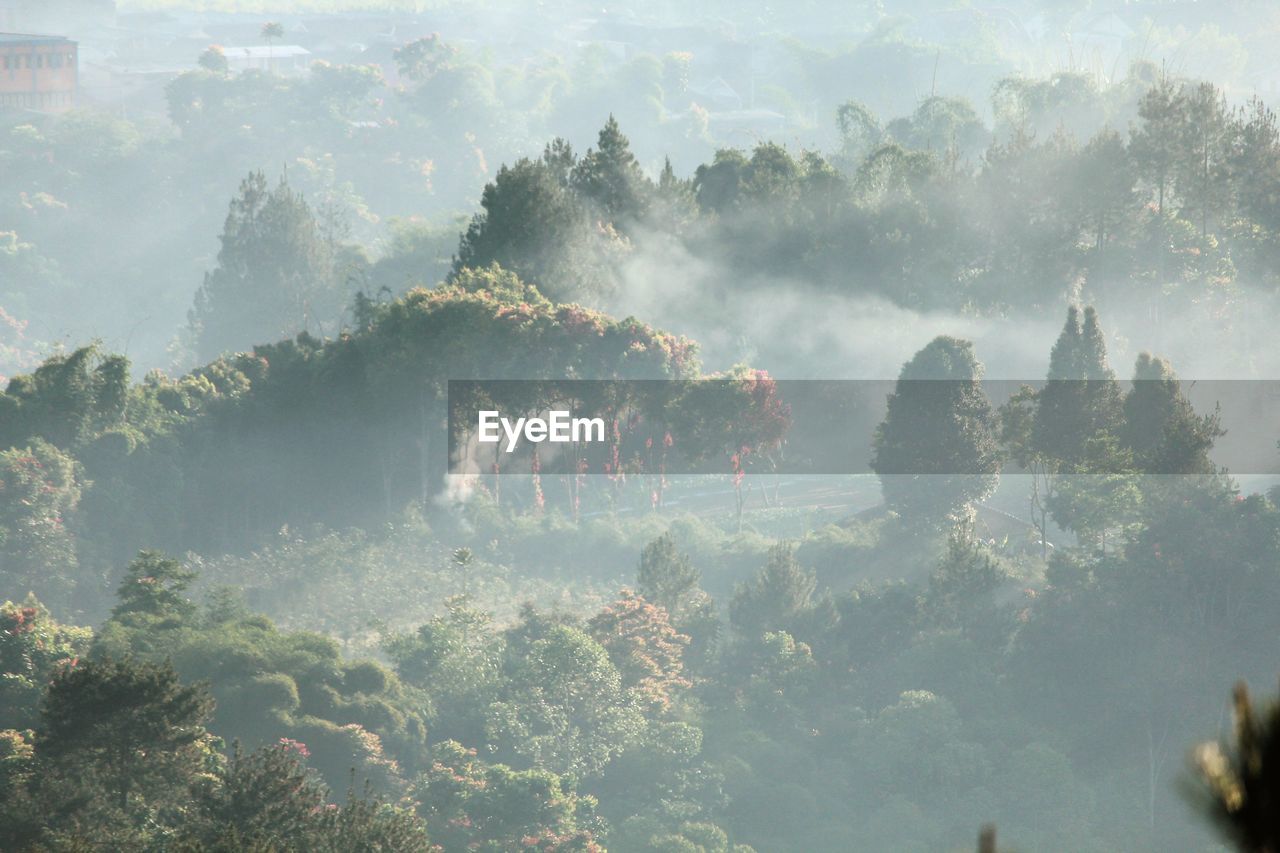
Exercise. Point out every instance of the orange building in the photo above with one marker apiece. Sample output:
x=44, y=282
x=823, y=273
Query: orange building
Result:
x=38, y=72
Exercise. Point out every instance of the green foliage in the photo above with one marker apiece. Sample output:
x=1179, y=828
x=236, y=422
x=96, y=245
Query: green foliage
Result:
x=33, y=648
x=1161, y=428
x=666, y=577
x=269, y=684
x=125, y=727
x=40, y=487
x=471, y=804
x=936, y=450
x=273, y=277
x=781, y=597
x=153, y=587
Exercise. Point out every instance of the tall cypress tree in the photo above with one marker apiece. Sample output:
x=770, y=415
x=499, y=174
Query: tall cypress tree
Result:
x=1102, y=397
x=1081, y=399
x=936, y=451
x=1059, y=422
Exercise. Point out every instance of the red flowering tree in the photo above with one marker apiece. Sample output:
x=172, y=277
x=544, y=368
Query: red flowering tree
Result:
x=740, y=417
x=643, y=646
x=33, y=647
x=39, y=487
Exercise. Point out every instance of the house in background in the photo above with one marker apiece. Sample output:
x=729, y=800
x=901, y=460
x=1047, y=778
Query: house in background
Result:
x=38, y=72
x=284, y=59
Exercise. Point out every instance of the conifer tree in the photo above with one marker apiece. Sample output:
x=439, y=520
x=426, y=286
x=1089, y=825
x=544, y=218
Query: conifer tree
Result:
x=1154, y=144
x=125, y=726
x=666, y=577
x=1161, y=429
x=936, y=451
x=1081, y=399
x=610, y=176
x=154, y=585
x=779, y=598
x=1102, y=398
x=273, y=274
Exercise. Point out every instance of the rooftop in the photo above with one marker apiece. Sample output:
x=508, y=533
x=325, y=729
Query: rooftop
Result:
x=32, y=38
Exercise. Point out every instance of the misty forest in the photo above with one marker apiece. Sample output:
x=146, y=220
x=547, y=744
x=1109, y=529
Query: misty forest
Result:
x=247, y=603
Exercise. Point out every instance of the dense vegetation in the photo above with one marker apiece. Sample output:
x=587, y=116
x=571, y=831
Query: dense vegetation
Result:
x=247, y=608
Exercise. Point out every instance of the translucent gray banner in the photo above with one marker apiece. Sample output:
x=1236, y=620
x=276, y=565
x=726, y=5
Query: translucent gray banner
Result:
x=759, y=425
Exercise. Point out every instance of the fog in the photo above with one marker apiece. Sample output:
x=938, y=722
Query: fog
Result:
x=263, y=261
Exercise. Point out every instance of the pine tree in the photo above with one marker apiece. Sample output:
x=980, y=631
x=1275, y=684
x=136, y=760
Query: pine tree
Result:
x=1203, y=152
x=610, y=177
x=154, y=585
x=273, y=277
x=530, y=225
x=1154, y=144
x=1081, y=399
x=779, y=598
x=666, y=577
x=128, y=727
x=1102, y=394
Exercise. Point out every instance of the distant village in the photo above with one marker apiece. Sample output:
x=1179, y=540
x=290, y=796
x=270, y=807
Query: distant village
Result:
x=56, y=55
x=119, y=59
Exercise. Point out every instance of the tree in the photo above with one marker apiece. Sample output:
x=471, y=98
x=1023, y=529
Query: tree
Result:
x=1204, y=146
x=153, y=586
x=40, y=488
x=610, y=177
x=265, y=797
x=1017, y=435
x=129, y=727
x=643, y=646
x=1099, y=493
x=780, y=598
x=1101, y=393
x=666, y=577
x=33, y=647
x=424, y=58
x=270, y=799
x=946, y=126
x=563, y=706
x=532, y=225
x=860, y=130
x=961, y=589
x=213, y=60
x=1161, y=429
x=936, y=451
x=272, y=278
x=271, y=31
x=68, y=400
x=471, y=804
x=1255, y=164
x=1081, y=399
x=1105, y=185
x=1154, y=144
x=716, y=184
